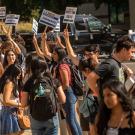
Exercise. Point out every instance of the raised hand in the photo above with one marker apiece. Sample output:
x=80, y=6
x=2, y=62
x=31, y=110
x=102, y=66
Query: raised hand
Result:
x=66, y=34
x=34, y=39
x=44, y=36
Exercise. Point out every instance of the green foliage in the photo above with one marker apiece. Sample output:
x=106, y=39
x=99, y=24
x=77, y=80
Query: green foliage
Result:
x=23, y=7
x=33, y=8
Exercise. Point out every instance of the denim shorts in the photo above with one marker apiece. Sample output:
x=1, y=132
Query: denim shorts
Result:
x=8, y=120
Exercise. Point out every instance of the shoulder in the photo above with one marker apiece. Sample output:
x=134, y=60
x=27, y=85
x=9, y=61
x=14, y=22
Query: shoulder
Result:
x=92, y=75
x=64, y=67
x=8, y=85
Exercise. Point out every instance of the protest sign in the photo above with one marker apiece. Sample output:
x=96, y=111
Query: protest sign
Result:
x=12, y=19
x=69, y=16
x=57, y=28
x=49, y=18
x=35, y=26
x=2, y=12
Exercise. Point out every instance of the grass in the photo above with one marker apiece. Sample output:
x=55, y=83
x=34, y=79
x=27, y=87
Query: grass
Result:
x=21, y=27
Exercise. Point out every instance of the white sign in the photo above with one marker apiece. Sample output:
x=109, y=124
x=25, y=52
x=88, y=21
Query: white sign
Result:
x=12, y=19
x=2, y=12
x=35, y=26
x=57, y=28
x=49, y=18
x=69, y=16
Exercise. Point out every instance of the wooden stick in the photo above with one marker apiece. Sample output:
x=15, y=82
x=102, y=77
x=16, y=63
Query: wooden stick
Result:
x=45, y=29
x=67, y=26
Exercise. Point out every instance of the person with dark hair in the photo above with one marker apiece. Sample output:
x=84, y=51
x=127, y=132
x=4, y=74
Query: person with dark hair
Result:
x=9, y=98
x=112, y=67
x=9, y=58
x=116, y=115
x=63, y=72
x=86, y=67
x=29, y=58
x=39, y=93
x=11, y=47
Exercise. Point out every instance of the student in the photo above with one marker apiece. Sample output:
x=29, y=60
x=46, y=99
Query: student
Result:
x=10, y=44
x=43, y=120
x=86, y=67
x=63, y=72
x=112, y=67
x=116, y=115
x=10, y=102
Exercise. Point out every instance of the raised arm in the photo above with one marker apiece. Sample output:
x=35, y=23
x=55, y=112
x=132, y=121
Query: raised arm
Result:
x=69, y=48
x=59, y=43
x=8, y=34
x=39, y=52
x=46, y=52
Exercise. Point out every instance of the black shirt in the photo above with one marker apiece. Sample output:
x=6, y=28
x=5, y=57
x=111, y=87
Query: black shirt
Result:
x=28, y=87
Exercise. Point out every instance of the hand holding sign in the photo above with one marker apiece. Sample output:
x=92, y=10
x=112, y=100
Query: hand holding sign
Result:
x=66, y=34
x=34, y=39
x=7, y=33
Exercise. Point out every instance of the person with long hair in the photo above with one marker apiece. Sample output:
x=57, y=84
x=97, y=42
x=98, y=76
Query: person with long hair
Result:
x=9, y=105
x=9, y=58
x=63, y=73
x=40, y=73
x=116, y=115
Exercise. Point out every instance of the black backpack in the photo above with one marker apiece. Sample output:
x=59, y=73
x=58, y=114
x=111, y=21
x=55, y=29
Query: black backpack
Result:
x=77, y=80
x=43, y=101
x=76, y=77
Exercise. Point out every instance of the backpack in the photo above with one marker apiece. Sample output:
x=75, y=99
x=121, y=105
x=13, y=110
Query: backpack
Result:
x=77, y=79
x=43, y=102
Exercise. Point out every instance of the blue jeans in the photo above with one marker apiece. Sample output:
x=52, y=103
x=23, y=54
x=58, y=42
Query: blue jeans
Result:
x=49, y=127
x=70, y=112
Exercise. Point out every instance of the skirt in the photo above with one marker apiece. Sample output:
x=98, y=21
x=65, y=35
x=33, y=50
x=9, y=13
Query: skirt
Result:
x=8, y=120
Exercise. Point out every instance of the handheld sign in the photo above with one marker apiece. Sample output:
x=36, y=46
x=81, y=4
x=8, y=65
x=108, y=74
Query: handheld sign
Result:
x=2, y=12
x=12, y=19
x=57, y=28
x=49, y=18
x=35, y=26
x=69, y=16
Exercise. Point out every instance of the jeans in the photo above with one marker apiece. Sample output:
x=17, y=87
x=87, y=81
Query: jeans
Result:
x=49, y=127
x=70, y=112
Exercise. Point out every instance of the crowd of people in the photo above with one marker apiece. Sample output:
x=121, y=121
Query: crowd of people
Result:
x=43, y=82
